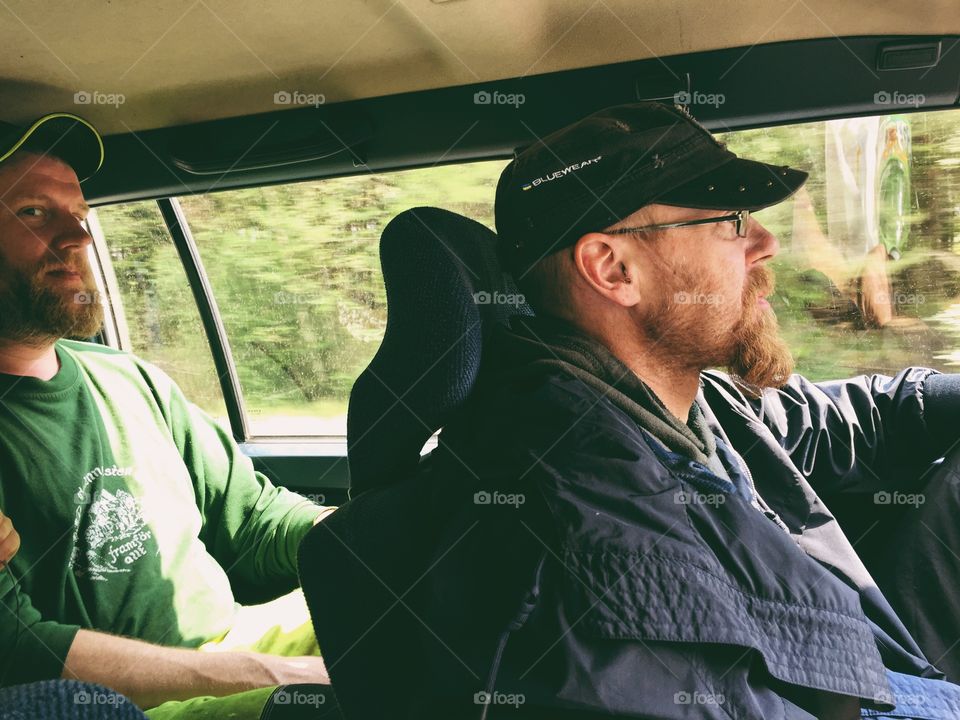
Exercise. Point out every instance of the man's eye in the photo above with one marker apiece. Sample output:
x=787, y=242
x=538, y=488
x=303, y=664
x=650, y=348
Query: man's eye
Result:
x=33, y=211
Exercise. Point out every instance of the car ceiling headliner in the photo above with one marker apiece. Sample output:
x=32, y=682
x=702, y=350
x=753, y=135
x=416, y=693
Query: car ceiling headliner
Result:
x=184, y=61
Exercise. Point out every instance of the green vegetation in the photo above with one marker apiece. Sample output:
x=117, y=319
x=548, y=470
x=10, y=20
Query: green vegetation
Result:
x=295, y=270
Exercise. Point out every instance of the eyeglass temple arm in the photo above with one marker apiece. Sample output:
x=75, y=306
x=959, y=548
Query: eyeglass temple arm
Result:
x=702, y=221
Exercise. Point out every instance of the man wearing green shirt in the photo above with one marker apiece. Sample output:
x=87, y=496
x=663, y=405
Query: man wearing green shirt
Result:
x=135, y=510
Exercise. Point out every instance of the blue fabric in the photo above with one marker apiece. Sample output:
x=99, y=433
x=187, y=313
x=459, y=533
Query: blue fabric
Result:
x=65, y=700
x=734, y=469
x=919, y=698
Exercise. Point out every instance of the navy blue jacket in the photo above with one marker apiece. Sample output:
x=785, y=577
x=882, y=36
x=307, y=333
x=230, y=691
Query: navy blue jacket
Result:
x=634, y=581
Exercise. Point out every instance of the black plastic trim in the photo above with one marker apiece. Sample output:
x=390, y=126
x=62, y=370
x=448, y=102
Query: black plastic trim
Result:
x=179, y=231
x=767, y=84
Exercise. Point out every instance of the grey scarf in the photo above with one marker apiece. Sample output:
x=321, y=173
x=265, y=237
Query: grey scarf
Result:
x=551, y=342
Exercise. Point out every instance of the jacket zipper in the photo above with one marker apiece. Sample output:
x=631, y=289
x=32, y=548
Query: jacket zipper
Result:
x=756, y=500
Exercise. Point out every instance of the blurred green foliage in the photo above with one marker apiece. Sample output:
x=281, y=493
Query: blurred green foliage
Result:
x=296, y=274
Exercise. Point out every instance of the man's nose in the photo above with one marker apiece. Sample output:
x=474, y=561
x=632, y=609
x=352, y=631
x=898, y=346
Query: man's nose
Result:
x=763, y=244
x=71, y=233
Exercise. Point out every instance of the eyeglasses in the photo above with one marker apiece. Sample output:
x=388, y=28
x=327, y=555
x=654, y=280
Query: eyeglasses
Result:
x=740, y=217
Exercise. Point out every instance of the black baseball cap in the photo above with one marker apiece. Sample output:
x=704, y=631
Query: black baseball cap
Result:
x=595, y=172
x=68, y=137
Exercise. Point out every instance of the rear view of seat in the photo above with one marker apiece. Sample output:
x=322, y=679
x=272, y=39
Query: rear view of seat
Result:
x=363, y=567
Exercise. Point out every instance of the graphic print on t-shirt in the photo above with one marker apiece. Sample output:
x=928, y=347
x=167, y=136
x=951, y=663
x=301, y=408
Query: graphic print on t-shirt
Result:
x=110, y=532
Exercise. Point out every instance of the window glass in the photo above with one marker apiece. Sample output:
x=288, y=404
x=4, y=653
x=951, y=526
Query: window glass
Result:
x=296, y=273
x=161, y=315
x=868, y=274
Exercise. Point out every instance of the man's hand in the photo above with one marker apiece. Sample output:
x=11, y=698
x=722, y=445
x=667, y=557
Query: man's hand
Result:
x=9, y=540
x=295, y=670
x=151, y=675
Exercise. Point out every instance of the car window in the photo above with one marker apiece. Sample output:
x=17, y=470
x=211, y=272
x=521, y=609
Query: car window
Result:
x=868, y=274
x=161, y=317
x=296, y=273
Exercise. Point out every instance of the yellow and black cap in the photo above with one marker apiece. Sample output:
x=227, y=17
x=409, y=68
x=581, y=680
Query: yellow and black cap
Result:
x=595, y=172
x=68, y=137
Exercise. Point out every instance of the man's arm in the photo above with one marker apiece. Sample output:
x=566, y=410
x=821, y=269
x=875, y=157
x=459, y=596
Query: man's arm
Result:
x=150, y=674
x=866, y=433
x=250, y=526
x=31, y=646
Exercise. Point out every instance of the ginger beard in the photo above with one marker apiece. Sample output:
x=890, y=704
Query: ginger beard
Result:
x=696, y=323
x=36, y=308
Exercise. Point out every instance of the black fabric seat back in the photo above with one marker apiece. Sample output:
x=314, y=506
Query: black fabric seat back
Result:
x=364, y=567
x=444, y=289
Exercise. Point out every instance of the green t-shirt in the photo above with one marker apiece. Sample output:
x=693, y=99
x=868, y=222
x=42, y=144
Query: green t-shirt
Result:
x=135, y=511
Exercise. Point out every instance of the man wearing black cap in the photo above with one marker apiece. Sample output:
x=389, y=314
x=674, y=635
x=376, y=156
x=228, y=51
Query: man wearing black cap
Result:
x=671, y=557
x=136, y=513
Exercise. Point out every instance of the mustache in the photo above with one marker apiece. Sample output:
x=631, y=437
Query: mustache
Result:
x=761, y=282
x=75, y=262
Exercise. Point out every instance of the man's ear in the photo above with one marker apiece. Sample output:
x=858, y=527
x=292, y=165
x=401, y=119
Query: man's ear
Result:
x=607, y=265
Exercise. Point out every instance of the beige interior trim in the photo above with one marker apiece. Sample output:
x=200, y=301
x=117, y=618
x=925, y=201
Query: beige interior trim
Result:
x=156, y=64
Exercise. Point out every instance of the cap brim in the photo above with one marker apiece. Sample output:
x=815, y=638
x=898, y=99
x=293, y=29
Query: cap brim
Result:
x=67, y=136
x=739, y=184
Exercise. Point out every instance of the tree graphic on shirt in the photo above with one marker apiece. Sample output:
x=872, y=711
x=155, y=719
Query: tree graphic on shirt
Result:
x=113, y=518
